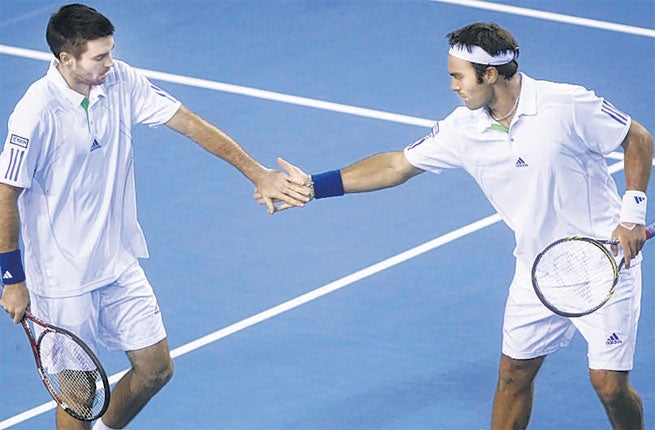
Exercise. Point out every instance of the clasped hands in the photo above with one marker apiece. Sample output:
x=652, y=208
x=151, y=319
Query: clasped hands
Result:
x=280, y=191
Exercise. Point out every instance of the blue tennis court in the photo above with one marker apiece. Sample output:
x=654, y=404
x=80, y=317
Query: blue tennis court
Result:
x=374, y=311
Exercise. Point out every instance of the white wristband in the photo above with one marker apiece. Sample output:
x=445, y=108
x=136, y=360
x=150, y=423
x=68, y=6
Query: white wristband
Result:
x=633, y=207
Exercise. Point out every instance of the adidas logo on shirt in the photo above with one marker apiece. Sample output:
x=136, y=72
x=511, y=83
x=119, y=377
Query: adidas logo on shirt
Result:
x=521, y=163
x=95, y=145
x=613, y=340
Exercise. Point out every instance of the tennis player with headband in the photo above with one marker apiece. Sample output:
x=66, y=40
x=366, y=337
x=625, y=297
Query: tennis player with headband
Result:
x=536, y=149
x=67, y=184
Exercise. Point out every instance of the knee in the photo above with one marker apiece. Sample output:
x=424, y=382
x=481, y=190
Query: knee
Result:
x=164, y=372
x=512, y=381
x=517, y=375
x=157, y=374
x=506, y=374
x=609, y=385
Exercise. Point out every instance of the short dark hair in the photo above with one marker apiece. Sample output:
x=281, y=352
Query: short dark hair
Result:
x=492, y=38
x=72, y=26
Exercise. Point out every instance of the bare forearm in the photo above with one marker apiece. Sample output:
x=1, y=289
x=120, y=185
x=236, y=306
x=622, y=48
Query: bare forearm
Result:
x=216, y=142
x=272, y=184
x=377, y=172
x=638, y=156
x=9, y=219
x=14, y=297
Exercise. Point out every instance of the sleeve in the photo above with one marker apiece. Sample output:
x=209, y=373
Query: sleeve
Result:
x=438, y=150
x=20, y=154
x=152, y=105
x=599, y=125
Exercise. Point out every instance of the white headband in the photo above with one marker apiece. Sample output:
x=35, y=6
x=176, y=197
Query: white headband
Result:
x=480, y=56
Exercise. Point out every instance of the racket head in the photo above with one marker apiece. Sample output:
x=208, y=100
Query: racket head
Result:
x=71, y=372
x=575, y=276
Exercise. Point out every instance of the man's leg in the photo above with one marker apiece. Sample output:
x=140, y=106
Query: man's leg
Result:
x=75, y=390
x=66, y=422
x=152, y=368
x=513, y=399
x=621, y=401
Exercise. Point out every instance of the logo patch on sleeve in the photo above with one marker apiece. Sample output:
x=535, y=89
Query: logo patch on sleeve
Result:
x=20, y=141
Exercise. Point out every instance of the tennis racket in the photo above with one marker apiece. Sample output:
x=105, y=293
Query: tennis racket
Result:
x=69, y=370
x=576, y=276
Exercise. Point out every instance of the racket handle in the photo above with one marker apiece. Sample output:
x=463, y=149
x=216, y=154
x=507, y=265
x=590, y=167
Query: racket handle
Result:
x=650, y=231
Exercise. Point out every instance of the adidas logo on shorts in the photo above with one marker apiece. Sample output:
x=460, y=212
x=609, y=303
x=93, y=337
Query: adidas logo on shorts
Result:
x=613, y=340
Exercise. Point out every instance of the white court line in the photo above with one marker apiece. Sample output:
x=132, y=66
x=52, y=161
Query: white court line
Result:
x=287, y=98
x=262, y=94
x=291, y=304
x=48, y=406
x=248, y=91
x=298, y=301
x=550, y=16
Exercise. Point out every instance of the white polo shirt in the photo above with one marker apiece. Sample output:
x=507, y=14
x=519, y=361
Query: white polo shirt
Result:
x=546, y=176
x=78, y=210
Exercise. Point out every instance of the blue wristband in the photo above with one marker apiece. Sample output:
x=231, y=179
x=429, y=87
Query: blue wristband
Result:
x=11, y=267
x=328, y=184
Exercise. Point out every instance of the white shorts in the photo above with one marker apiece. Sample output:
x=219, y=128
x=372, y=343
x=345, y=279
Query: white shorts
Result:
x=531, y=330
x=123, y=315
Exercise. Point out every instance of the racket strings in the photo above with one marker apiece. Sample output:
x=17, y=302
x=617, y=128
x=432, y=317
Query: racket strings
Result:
x=575, y=275
x=73, y=374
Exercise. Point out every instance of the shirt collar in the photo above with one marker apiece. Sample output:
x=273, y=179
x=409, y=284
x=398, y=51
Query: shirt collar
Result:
x=55, y=76
x=527, y=104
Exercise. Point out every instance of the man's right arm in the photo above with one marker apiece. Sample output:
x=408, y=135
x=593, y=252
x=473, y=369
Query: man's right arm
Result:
x=378, y=171
x=15, y=297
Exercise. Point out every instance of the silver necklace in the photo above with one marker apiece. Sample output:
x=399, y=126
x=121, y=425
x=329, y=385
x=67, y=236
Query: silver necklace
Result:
x=516, y=104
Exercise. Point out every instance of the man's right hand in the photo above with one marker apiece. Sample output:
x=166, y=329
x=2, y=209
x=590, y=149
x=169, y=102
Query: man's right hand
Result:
x=15, y=300
x=295, y=176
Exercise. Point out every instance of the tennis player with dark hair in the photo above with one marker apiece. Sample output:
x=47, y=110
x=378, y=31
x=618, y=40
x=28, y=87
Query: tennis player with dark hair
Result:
x=67, y=186
x=545, y=142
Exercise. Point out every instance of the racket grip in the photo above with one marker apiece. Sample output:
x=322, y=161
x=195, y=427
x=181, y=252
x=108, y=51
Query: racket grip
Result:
x=650, y=231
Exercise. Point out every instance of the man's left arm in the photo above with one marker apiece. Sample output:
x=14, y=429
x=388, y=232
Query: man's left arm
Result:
x=638, y=156
x=273, y=185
